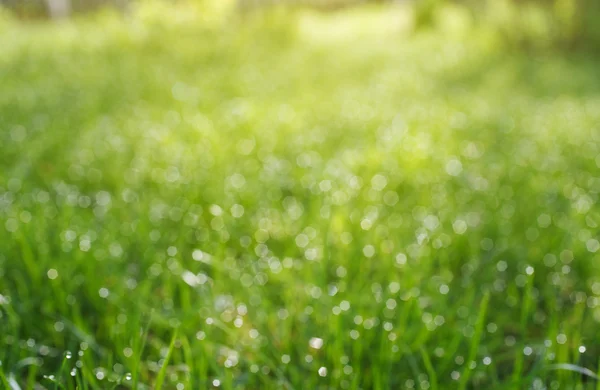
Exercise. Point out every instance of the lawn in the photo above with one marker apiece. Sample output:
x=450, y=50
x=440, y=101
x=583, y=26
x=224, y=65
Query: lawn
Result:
x=295, y=200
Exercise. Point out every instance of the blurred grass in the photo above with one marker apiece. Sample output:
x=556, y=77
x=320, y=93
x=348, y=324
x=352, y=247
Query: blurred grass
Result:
x=259, y=181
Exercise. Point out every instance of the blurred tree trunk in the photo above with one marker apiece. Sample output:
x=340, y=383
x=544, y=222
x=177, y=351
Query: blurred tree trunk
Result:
x=58, y=9
x=124, y=6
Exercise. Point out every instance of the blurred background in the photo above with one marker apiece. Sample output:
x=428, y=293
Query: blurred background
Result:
x=539, y=23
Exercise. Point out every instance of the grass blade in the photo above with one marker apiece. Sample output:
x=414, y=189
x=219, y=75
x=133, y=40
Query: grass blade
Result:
x=140, y=348
x=574, y=368
x=3, y=380
x=466, y=374
x=163, y=370
x=430, y=370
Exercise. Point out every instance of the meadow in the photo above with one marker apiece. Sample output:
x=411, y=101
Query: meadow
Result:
x=298, y=200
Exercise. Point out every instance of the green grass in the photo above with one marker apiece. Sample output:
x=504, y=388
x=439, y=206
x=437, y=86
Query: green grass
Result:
x=295, y=201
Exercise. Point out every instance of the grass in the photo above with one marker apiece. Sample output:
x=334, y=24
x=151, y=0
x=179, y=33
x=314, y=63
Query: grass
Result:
x=294, y=201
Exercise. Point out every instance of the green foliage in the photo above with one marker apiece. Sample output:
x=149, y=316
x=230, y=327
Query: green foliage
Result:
x=530, y=24
x=425, y=13
x=311, y=201
x=525, y=24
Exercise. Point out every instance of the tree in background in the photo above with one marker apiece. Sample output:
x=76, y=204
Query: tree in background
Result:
x=58, y=9
x=564, y=24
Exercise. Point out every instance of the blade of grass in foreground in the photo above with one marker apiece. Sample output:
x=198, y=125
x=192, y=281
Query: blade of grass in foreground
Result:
x=3, y=379
x=476, y=340
x=525, y=312
x=598, y=374
x=81, y=383
x=63, y=367
x=141, y=346
x=430, y=369
x=575, y=368
x=189, y=360
x=163, y=370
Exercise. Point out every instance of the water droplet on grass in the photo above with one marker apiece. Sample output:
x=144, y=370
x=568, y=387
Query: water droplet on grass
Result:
x=315, y=342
